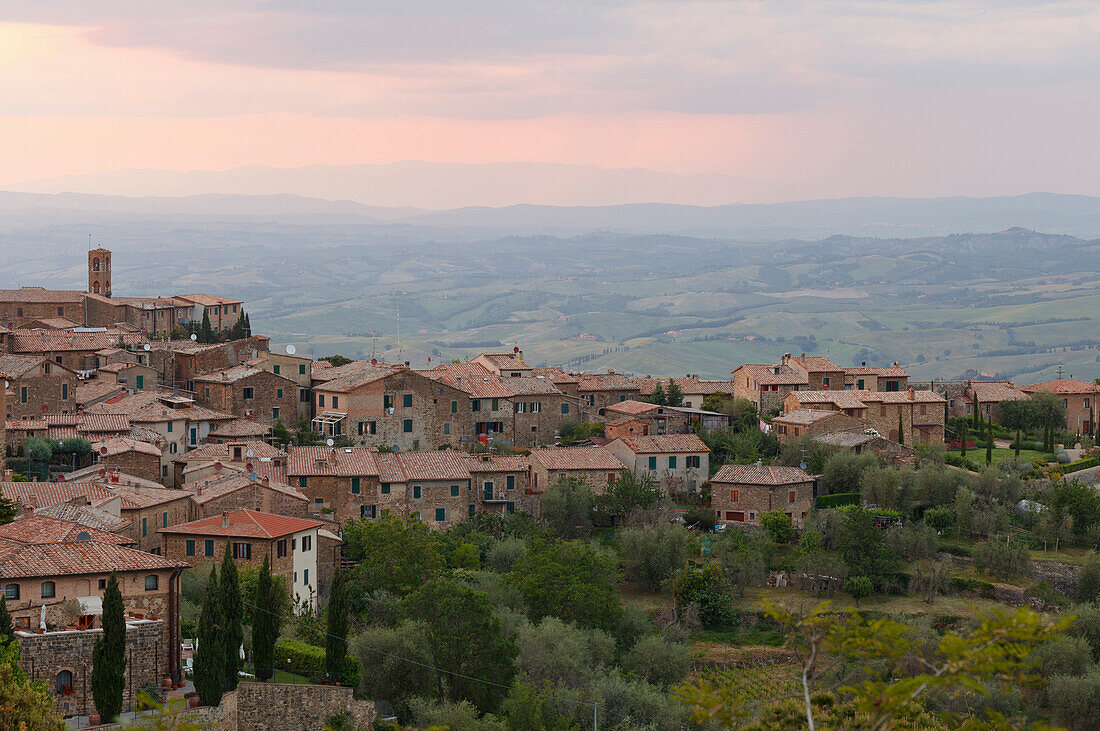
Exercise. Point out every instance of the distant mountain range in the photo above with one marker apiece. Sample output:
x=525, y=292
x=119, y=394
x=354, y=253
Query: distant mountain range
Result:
x=873, y=217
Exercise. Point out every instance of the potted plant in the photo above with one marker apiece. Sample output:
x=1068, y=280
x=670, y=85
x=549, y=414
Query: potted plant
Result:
x=167, y=682
x=192, y=699
x=93, y=719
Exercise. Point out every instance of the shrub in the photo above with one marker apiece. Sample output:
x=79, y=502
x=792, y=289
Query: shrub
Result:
x=1065, y=656
x=778, y=526
x=1088, y=580
x=962, y=584
x=658, y=660
x=504, y=554
x=703, y=518
x=295, y=656
x=939, y=518
x=858, y=587
x=652, y=554
x=837, y=499
x=1076, y=700
x=1004, y=560
x=702, y=586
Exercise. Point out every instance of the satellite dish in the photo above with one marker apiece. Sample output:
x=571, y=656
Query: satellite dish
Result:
x=291, y=350
x=103, y=450
x=103, y=472
x=329, y=442
x=252, y=476
x=6, y=384
x=396, y=448
x=248, y=466
x=61, y=478
x=374, y=361
x=148, y=347
x=217, y=466
x=194, y=336
x=248, y=453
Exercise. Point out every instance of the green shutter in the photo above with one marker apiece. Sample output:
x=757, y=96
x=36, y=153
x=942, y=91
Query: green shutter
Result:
x=355, y=486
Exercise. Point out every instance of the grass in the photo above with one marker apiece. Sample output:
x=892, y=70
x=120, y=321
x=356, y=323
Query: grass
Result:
x=976, y=454
x=282, y=676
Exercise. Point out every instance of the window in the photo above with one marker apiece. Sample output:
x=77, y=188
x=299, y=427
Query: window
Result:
x=470, y=510
x=735, y=496
x=48, y=589
x=335, y=402
x=301, y=369
x=151, y=582
x=275, y=369
x=475, y=404
x=302, y=481
x=385, y=488
x=511, y=507
x=454, y=490
x=190, y=545
x=564, y=409
x=321, y=400
x=280, y=548
x=65, y=683
x=454, y=407
x=923, y=409
x=511, y=482
x=206, y=392
x=355, y=486
x=792, y=496
x=416, y=491
x=367, y=511
x=274, y=413
x=694, y=461
x=65, y=390
x=164, y=519
x=534, y=407
x=23, y=395
x=495, y=404
x=859, y=384
x=171, y=426
x=11, y=591
x=446, y=428
x=1065, y=402
x=611, y=478
x=387, y=401
x=278, y=393
x=407, y=400
x=407, y=426
x=144, y=527
x=652, y=463
x=319, y=500
x=307, y=543
x=672, y=462
x=440, y=515
x=305, y=577
x=242, y=551
x=521, y=407
x=825, y=382
x=882, y=410
x=102, y=584
x=1086, y=403
x=247, y=393
x=208, y=547
x=487, y=487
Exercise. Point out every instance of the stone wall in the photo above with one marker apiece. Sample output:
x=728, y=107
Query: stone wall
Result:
x=45, y=656
x=57, y=392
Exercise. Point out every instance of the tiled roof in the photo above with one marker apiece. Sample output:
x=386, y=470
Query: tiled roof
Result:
x=153, y=302
x=666, y=444
x=14, y=366
x=80, y=557
x=555, y=374
x=96, y=390
x=208, y=299
x=689, y=386
x=815, y=363
x=110, y=478
x=122, y=445
x=100, y=423
x=85, y=515
x=336, y=461
x=119, y=366
x=495, y=462
x=442, y=465
x=493, y=386
x=632, y=407
x=146, y=407
x=996, y=391
x=750, y=474
x=576, y=458
x=40, y=294
x=894, y=371
x=774, y=375
x=804, y=417
x=389, y=467
x=351, y=376
x=24, y=425
x=233, y=374
x=213, y=451
x=137, y=497
x=244, y=523
x=45, y=494
x=56, y=323
x=1066, y=385
x=901, y=397
x=241, y=428
x=43, y=529
x=216, y=486
x=43, y=341
x=605, y=382
x=839, y=399
x=506, y=361
x=847, y=438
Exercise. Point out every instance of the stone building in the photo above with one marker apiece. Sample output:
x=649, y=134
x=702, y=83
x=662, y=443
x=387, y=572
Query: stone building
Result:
x=918, y=414
x=693, y=388
x=500, y=484
x=597, y=391
x=864, y=378
x=179, y=362
x=741, y=493
x=675, y=462
x=298, y=369
x=38, y=385
x=1078, y=397
x=137, y=458
x=249, y=392
x=149, y=507
x=434, y=487
x=290, y=545
x=229, y=491
x=767, y=386
x=340, y=483
x=223, y=312
x=792, y=426
x=131, y=376
x=74, y=349
x=595, y=466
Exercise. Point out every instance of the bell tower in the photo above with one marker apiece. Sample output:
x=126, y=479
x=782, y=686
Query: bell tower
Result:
x=99, y=272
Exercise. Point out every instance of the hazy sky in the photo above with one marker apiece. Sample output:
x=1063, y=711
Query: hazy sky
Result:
x=835, y=98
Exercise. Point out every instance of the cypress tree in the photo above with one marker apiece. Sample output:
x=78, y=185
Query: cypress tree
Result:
x=674, y=396
x=962, y=438
x=658, y=396
x=210, y=655
x=1091, y=416
x=989, y=442
x=109, y=655
x=977, y=416
x=206, y=332
x=7, y=630
x=266, y=619
x=233, y=632
x=901, y=429
x=336, y=640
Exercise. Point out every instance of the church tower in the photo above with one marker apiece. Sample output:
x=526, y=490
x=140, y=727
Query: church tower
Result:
x=99, y=272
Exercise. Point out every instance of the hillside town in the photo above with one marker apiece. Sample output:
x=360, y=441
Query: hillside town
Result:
x=152, y=437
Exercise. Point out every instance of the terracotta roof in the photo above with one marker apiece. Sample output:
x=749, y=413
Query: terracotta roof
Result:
x=244, y=523
x=208, y=299
x=39, y=529
x=48, y=341
x=996, y=391
x=110, y=478
x=443, y=465
x=1066, y=386
x=847, y=438
x=750, y=474
x=99, y=423
x=632, y=407
x=211, y=451
x=85, y=515
x=605, y=382
x=97, y=390
x=122, y=445
x=666, y=444
x=491, y=385
x=576, y=458
x=389, y=467
x=468, y=368
x=774, y=375
x=152, y=302
x=351, y=376
x=555, y=374
x=216, y=486
x=234, y=374
x=137, y=497
x=15, y=425
x=894, y=371
x=901, y=397
x=804, y=417
x=815, y=363
x=839, y=399
x=147, y=407
x=56, y=323
x=80, y=557
x=41, y=294
x=119, y=366
x=506, y=361
x=495, y=462
x=45, y=494
x=241, y=428
x=689, y=385
x=14, y=366
x=337, y=461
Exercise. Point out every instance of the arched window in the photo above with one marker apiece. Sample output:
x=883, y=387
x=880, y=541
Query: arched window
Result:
x=95, y=264
x=47, y=589
x=65, y=683
x=95, y=287
x=11, y=591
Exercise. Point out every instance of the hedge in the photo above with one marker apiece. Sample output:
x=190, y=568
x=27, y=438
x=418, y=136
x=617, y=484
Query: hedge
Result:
x=982, y=588
x=838, y=499
x=1082, y=464
x=300, y=658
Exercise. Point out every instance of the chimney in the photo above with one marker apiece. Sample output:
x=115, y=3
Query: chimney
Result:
x=28, y=508
x=864, y=363
x=895, y=364
x=802, y=358
x=265, y=479
x=910, y=393
x=225, y=520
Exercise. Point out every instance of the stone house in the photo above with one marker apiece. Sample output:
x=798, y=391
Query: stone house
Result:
x=131, y=376
x=741, y=493
x=596, y=466
x=96, y=391
x=38, y=385
x=223, y=312
x=500, y=483
x=179, y=362
x=506, y=365
x=55, y=427
x=919, y=413
x=88, y=516
x=23, y=305
x=638, y=418
x=239, y=430
x=295, y=367
x=290, y=545
x=675, y=462
x=149, y=508
x=767, y=385
x=341, y=484
x=1079, y=398
x=249, y=392
x=986, y=397
x=858, y=441
x=693, y=388
x=792, y=426
x=434, y=487
x=864, y=378
x=229, y=491
x=140, y=459
x=597, y=391
x=74, y=349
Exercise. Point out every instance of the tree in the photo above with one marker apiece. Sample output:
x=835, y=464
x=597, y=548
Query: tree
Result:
x=394, y=554
x=401, y=659
x=232, y=616
x=1003, y=559
x=778, y=526
x=653, y=554
x=863, y=546
x=206, y=332
x=336, y=637
x=741, y=411
x=1051, y=414
x=38, y=452
x=674, y=395
x=843, y=470
x=659, y=660
x=901, y=429
x=658, y=396
x=266, y=618
x=109, y=655
x=466, y=639
x=1019, y=415
x=209, y=664
x=9, y=510
x=858, y=587
x=1088, y=581
x=629, y=493
x=918, y=543
x=989, y=442
x=24, y=704
x=7, y=629
x=962, y=439
x=742, y=561
x=566, y=507
x=572, y=581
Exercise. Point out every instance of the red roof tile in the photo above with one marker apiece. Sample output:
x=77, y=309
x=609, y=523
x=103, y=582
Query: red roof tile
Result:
x=750, y=474
x=1066, y=386
x=576, y=458
x=336, y=461
x=42, y=529
x=80, y=557
x=244, y=523
x=666, y=444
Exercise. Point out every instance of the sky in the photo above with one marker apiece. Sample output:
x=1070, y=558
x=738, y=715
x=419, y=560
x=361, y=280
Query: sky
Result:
x=817, y=98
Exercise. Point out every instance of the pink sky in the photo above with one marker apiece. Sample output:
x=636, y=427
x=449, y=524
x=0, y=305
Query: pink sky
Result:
x=844, y=98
